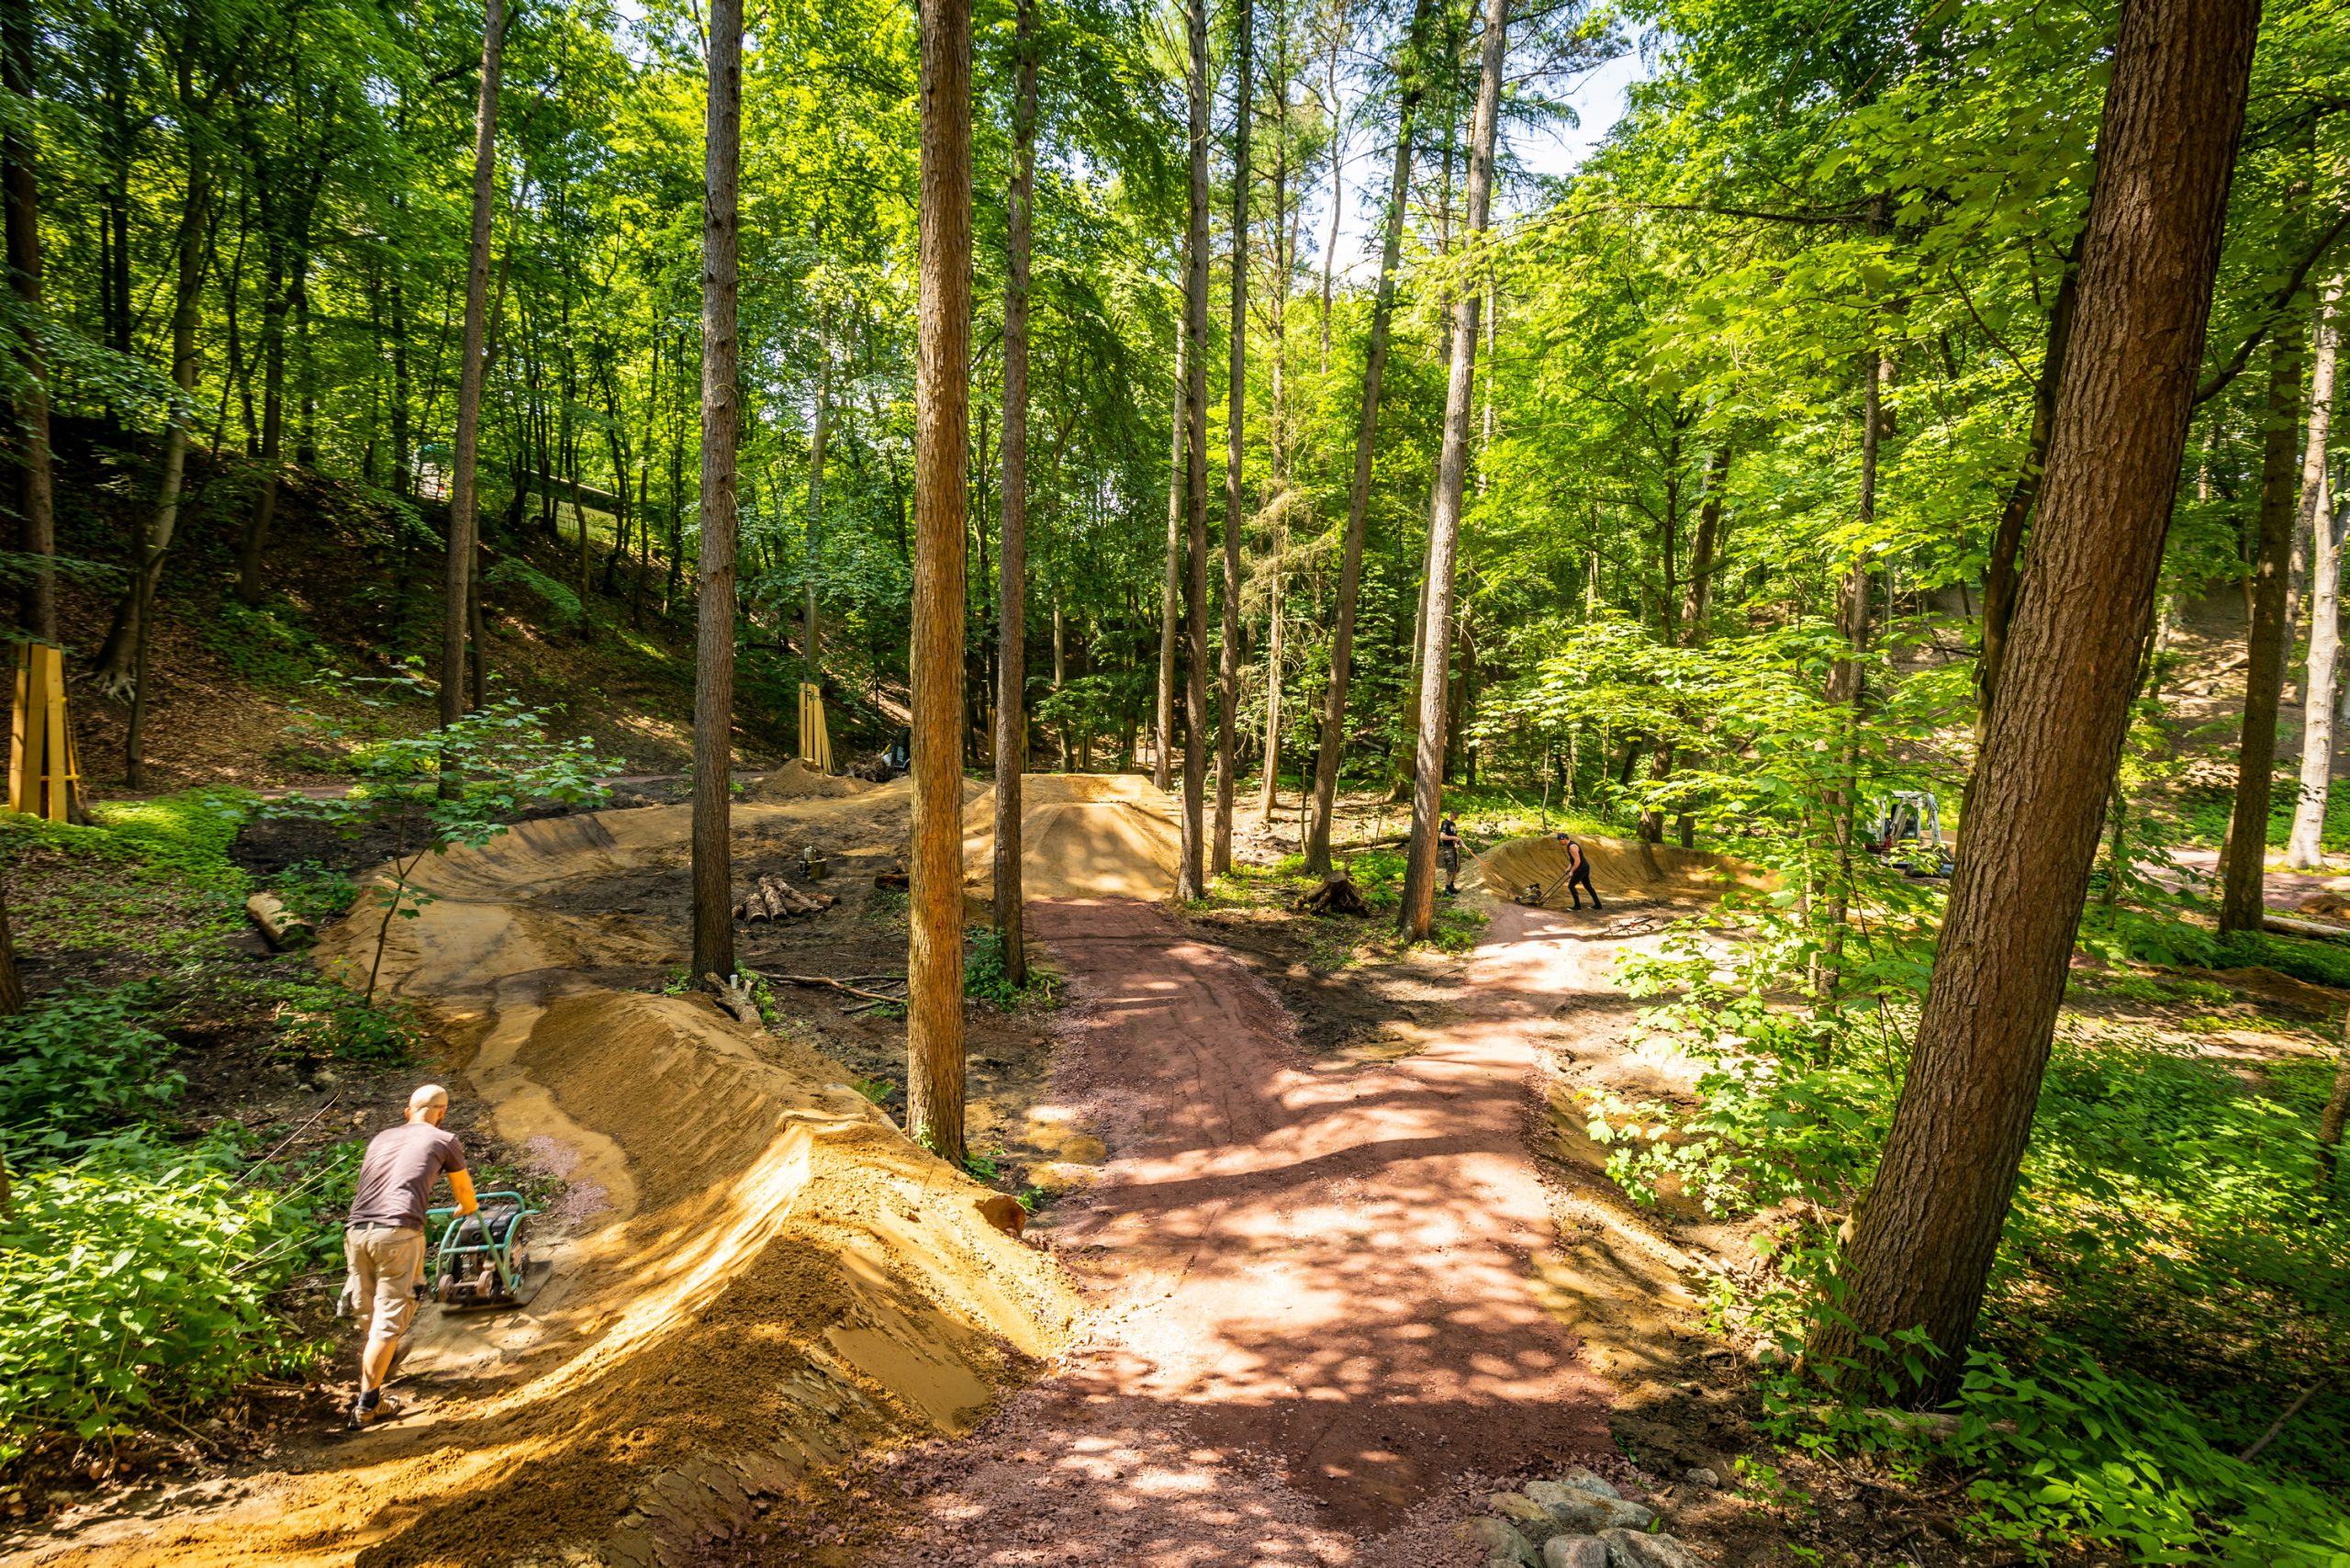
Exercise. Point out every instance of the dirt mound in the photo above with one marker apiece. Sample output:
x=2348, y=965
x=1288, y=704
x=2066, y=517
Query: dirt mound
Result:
x=776, y=1276
x=1081, y=836
x=1620, y=868
x=795, y=780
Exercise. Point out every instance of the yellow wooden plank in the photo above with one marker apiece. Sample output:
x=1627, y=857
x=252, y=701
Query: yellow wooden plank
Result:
x=22, y=730
x=52, y=672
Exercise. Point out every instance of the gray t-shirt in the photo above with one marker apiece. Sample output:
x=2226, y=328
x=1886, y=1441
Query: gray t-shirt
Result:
x=401, y=1165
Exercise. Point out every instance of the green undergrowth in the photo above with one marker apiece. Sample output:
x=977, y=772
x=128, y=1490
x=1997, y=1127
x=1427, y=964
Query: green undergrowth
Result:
x=143, y=1266
x=2174, y=1275
x=2204, y=814
x=988, y=978
x=1339, y=940
x=2320, y=963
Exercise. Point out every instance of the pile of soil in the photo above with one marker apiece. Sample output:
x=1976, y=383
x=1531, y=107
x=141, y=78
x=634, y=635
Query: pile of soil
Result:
x=1082, y=835
x=795, y=780
x=1623, y=869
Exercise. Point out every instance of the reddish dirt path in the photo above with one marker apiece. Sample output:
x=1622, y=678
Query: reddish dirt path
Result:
x=1319, y=1316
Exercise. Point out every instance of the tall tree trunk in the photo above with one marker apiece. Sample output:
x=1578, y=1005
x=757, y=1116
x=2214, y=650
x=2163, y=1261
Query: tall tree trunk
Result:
x=1419, y=909
x=934, y=954
x=276, y=300
x=1337, y=179
x=2307, y=850
x=36, y=511
x=1698, y=607
x=187, y=296
x=1342, y=634
x=812, y=649
x=403, y=456
x=2243, y=904
x=1162, y=773
x=714, y=569
x=1190, y=882
x=1925, y=1235
x=1284, y=260
x=1846, y=683
x=465, y=492
x=1011, y=615
x=1227, y=679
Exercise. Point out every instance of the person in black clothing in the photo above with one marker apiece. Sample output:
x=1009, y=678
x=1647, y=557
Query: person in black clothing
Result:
x=1447, y=850
x=1579, y=874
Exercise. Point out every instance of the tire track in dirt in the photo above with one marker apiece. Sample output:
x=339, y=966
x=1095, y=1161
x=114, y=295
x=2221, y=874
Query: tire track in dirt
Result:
x=1320, y=1312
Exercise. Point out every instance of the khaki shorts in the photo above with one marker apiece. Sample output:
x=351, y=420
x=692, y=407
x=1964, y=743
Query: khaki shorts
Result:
x=384, y=1265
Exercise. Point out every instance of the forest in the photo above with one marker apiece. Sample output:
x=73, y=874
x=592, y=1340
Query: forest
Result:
x=961, y=667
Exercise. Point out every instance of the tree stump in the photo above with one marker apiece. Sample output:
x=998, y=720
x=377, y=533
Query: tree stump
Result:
x=1337, y=895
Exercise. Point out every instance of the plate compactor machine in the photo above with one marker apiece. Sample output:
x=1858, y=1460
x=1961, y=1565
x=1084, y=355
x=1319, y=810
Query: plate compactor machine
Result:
x=483, y=1260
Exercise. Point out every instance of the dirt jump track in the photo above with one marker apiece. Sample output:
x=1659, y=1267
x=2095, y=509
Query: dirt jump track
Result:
x=1306, y=1308
x=776, y=1278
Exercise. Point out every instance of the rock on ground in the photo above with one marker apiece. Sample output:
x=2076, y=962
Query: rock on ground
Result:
x=1628, y=1548
x=1574, y=1552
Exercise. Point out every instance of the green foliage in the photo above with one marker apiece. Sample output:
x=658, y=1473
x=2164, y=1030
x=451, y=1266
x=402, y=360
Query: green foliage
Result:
x=268, y=647
x=2205, y=813
x=567, y=610
x=317, y=1019
x=2130, y=934
x=2147, y=989
x=2320, y=963
x=78, y=1066
x=987, y=978
x=502, y=754
x=182, y=839
x=136, y=1279
x=315, y=891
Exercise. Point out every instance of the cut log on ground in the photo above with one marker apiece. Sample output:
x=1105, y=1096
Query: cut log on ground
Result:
x=772, y=898
x=279, y=925
x=895, y=877
x=1337, y=895
x=736, y=997
x=2287, y=925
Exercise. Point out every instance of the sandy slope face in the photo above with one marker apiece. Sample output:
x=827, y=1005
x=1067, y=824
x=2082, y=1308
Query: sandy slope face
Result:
x=1620, y=868
x=1082, y=835
x=771, y=1276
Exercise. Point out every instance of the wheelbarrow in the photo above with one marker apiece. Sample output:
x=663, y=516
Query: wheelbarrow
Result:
x=483, y=1259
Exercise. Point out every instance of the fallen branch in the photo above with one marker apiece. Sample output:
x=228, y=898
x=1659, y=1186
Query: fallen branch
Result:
x=828, y=983
x=2278, y=1424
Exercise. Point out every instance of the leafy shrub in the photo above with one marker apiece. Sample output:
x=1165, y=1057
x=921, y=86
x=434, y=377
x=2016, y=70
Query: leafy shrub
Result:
x=2073, y=1450
x=316, y=891
x=79, y=1064
x=564, y=604
x=2123, y=933
x=985, y=974
x=134, y=1279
